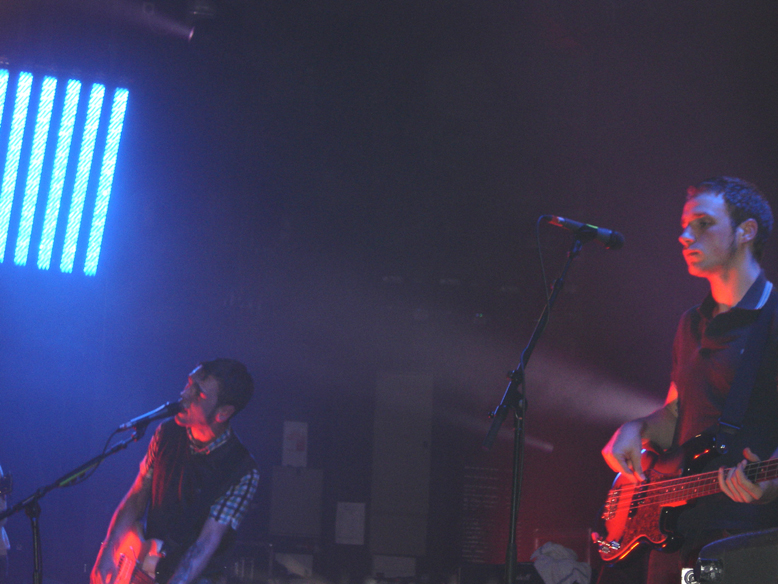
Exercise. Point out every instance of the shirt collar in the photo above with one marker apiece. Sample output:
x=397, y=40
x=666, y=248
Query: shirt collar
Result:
x=754, y=299
x=212, y=445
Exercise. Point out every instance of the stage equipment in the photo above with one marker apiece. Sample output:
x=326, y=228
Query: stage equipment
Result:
x=514, y=397
x=164, y=411
x=741, y=559
x=32, y=507
x=42, y=157
x=610, y=239
x=197, y=10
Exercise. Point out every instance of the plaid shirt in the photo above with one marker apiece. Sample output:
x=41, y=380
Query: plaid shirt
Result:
x=230, y=508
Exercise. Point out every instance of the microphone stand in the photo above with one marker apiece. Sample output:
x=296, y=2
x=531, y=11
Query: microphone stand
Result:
x=33, y=509
x=514, y=399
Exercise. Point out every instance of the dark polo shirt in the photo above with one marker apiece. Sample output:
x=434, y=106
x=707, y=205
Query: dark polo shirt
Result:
x=706, y=354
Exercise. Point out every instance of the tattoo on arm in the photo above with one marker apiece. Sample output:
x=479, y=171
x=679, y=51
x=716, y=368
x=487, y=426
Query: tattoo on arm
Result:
x=189, y=567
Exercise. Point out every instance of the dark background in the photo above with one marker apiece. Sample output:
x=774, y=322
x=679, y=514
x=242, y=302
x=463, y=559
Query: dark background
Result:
x=327, y=190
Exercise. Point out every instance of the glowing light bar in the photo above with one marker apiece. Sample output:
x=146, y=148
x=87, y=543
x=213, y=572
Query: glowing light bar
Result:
x=18, y=123
x=115, y=124
x=3, y=91
x=82, y=177
x=34, y=170
x=64, y=140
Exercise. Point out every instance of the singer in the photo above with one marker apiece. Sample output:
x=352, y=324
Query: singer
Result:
x=194, y=486
x=725, y=224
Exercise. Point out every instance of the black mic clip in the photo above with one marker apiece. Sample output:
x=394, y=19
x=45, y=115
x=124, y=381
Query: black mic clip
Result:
x=585, y=232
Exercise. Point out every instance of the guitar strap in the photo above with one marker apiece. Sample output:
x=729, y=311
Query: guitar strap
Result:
x=739, y=395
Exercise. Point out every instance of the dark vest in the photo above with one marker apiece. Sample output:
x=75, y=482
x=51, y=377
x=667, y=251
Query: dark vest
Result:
x=185, y=486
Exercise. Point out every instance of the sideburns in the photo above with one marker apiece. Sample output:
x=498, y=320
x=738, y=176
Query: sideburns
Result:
x=211, y=417
x=733, y=245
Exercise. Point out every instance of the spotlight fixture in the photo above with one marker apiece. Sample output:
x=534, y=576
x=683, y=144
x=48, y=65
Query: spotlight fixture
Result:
x=199, y=10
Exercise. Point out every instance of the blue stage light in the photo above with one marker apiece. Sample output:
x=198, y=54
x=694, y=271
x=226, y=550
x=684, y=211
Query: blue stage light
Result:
x=3, y=91
x=35, y=168
x=82, y=177
x=68, y=175
x=64, y=140
x=18, y=122
x=115, y=124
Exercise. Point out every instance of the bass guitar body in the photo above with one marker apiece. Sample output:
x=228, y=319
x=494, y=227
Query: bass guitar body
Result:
x=645, y=513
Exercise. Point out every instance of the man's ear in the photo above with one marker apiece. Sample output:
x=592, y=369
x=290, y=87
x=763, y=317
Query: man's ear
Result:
x=747, y=230
x=224, y=413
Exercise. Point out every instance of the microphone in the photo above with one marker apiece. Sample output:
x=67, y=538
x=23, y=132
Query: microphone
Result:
x=163, y=411
x=610, y=239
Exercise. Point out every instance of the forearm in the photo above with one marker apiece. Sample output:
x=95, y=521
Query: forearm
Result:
x=126, y=515
x=623, y=451
x=659, y=426
x=198, y=555
x=192, y=564
x=128, y=512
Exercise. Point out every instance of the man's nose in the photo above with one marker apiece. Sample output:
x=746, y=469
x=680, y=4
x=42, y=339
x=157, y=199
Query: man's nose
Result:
x=686, y=238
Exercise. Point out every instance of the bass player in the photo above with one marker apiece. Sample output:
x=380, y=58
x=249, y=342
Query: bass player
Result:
x=725, y=224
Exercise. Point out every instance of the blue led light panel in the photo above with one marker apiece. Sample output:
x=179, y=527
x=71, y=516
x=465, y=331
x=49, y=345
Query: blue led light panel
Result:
x=64, y=140
x=34, y=170
x=13, y=154
x=57, y=132
x=115, y=124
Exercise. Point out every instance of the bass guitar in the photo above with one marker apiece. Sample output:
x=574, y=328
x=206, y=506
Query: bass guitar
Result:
x=644, y=513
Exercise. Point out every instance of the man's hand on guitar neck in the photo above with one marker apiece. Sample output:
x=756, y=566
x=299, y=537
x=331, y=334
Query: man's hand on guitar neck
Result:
x=735, y=484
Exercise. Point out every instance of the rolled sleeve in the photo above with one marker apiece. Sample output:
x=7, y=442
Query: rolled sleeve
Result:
x=231, y=508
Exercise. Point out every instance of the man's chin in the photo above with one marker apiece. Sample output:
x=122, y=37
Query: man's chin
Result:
x=695, y=269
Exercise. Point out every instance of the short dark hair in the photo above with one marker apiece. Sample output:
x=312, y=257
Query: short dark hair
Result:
x=744, y=201
x=235, y=383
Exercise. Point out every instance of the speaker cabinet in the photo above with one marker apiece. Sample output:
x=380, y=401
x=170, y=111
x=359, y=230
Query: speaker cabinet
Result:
x=748, y=558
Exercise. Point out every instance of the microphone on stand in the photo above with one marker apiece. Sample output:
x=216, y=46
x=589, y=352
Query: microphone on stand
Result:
x=610, y=239
x=163, y=411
